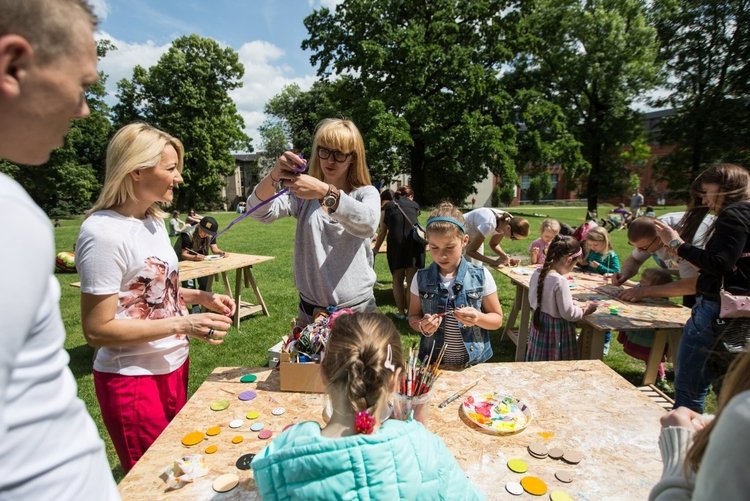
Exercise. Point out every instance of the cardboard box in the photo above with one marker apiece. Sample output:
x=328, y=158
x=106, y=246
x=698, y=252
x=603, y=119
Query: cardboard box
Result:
x=274, y=352
x=304, y=377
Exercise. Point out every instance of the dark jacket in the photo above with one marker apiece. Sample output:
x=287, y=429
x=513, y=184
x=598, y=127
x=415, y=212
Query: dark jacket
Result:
x=723, y=255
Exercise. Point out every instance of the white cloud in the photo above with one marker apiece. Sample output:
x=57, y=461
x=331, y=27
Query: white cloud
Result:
x=101, y=8
x=119, y=64
x=265, y=75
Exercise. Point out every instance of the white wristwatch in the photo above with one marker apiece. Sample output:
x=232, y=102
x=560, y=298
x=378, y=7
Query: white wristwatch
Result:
x=675, y=243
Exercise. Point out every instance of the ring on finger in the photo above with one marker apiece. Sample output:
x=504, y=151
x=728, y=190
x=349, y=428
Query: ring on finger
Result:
x=210, y=334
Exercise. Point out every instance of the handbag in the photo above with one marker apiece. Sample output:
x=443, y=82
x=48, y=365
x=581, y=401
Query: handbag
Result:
x=732, y=338
x=417, y=231
x=732, y=305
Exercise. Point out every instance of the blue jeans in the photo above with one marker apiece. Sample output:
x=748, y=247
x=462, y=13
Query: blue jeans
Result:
x=692, y=377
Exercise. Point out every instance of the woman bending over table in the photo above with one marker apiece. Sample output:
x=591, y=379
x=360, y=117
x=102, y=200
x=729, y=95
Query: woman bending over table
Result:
x=337, y=211
x=132, y=306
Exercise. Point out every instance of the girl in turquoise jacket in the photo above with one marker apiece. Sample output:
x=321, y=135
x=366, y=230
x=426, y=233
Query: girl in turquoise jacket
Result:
x=360, y=453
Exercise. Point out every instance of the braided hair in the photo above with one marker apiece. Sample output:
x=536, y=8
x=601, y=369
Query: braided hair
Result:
x=355, y=358
x=561, y=247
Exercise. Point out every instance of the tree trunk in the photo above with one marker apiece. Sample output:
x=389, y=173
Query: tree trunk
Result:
x=592, y=189
x=416, y=158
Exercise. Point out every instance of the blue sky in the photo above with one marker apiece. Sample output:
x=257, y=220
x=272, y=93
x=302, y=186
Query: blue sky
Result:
x=266, y=33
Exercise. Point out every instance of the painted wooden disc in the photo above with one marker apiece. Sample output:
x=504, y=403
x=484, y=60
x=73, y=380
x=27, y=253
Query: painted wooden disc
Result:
x=237, y=439
x=514, y=488
x=219, y=405
x=534, y=486
x=572, y=457
x=564, y=476
x=211, y=449
x=518, y=466
x=560, y=496
x=213, y=431
x=192, y=438
x=252, y=415
x=248, y=378
x=226, y=482
x=556, y=453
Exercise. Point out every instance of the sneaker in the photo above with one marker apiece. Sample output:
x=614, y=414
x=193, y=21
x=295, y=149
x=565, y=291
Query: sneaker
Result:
x=400, y=316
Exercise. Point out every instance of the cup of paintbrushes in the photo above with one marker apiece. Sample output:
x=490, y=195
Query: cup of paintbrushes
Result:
x=407, y=407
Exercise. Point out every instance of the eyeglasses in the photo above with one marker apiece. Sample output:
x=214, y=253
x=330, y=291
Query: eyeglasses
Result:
x=646, y=248
x=338, y=156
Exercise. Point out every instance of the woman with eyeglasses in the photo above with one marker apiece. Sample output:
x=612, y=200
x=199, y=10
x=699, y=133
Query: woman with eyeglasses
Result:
x=337, y=211
x=494, y=224
x=724, y=263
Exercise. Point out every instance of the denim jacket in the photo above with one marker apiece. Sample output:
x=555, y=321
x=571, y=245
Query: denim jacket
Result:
x=433, y=298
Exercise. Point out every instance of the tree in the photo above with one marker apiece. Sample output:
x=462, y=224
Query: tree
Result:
x=705, y=47
x=540, y=187
x=70, y=180
x=187, y=94
x=425, y=74
x=274, y=142
x=592, y=58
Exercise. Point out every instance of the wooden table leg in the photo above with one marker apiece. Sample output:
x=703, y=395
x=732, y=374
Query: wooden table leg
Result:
x=510, y=322
x=249, y=276
x=675, y=335
x=655, y=356
x=523, y=328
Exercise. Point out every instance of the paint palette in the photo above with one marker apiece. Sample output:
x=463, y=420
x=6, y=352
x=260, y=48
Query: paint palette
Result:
x=496, y=413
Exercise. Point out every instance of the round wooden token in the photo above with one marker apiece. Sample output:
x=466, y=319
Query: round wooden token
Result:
x=192, y=438
x=538, y=450
x=244, y=461
x=265, y=434
x=248, y=378
x=556, y=453
x=572, y=457
x=252, y=415
x=247, y=395
x=211, y=449
x=560, y=496
x=278, y=411
x=518, y=466
x=213, y=431
x=235, y=423
x=219, y=405
x=534, y=486
x=514, y=488
x=226, y=482
x=257, y=426
x=564, y=476
x=237, y=439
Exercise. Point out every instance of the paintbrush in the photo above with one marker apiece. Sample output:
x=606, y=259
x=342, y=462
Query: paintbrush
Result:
x=458, y=394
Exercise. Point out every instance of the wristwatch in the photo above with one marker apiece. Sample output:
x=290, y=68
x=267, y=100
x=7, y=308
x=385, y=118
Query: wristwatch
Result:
x=330, y=199
x=674, y=243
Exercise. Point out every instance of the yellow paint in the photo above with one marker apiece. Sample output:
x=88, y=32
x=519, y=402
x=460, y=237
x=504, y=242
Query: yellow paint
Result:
x=534, y=486
x=546, y=435
x=252, y=415
x=560, y=496
x=192, y=438
x=518, y=465
x=237, y=439
x=219, y=405
x=211, y=449
x=214, y=430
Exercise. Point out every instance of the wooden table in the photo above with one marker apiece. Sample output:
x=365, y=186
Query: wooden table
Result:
x=667, y=319
x=243, y=263
x=579, y=405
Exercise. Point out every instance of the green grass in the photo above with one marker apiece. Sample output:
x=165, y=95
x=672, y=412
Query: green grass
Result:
x=247, y=346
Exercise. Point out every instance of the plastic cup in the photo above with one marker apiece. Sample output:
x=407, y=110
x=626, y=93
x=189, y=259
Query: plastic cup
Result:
x=405, y=407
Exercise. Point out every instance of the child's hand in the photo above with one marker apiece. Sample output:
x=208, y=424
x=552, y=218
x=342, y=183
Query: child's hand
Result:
x=590, y=308
x=514, y=261
x=430, y=323
x=468, y=315
x=594, y=264
x=534, y=255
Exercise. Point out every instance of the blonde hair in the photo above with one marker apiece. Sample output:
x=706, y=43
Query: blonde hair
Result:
x=599, y=234
x=355, y=358
x=135, y=146
x=445, y=209
x=342, y=135
x=50, y=26
x=550, y=224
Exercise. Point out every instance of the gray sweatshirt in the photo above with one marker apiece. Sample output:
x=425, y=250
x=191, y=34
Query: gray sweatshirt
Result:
x=332, y=252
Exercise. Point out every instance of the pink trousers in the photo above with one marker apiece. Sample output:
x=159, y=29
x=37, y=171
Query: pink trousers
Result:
x=136, y=409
